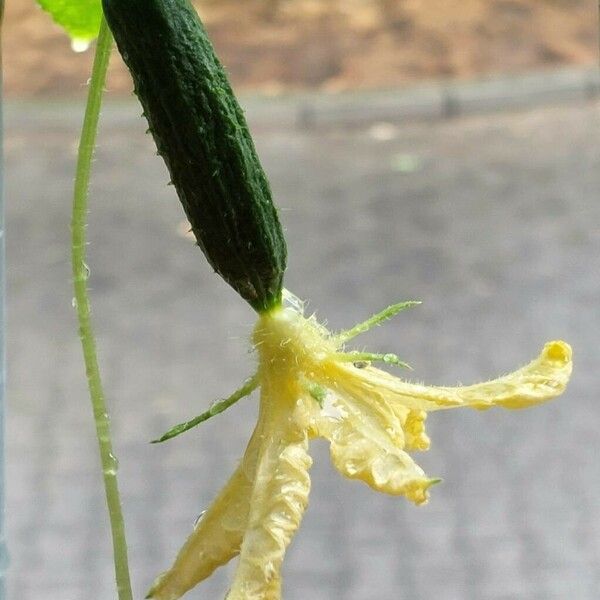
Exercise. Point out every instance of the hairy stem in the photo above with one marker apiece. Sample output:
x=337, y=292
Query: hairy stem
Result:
x=82, y=303
x=216, y=409
x=380, y=317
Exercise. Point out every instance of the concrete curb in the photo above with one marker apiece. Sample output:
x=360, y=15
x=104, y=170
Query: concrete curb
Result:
x=438, y=100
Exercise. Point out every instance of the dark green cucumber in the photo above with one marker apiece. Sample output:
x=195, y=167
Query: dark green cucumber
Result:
x=202, y=135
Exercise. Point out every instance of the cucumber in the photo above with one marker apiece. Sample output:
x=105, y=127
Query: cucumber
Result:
x=201, y=133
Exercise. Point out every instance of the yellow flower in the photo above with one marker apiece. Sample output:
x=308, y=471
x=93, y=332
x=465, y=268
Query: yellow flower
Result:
x=310, y=387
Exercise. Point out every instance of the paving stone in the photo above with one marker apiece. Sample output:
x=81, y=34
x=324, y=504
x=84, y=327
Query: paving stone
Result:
x=495, y=228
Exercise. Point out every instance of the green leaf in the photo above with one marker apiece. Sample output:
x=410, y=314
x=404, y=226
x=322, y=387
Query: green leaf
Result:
x=80, y=18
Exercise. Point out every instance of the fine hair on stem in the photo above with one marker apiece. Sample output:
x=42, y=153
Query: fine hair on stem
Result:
x=82, y=304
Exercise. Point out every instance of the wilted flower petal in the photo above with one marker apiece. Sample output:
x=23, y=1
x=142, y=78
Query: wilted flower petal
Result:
x=217, y=536
x=414, y=429
x=362, y=449
x=279, y=496
x=540, y=380
x=370, y=417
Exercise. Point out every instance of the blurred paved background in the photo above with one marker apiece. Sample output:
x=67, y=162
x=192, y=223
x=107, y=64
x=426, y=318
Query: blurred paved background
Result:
x=492, y=221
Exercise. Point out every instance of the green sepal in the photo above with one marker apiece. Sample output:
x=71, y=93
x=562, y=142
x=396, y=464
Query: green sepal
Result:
x=377, y=319
x=369, y=357
x=317, y=393
x=216, y=408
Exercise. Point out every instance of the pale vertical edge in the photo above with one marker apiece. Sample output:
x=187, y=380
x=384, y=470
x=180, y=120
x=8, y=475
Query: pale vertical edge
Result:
x=3, y=547
x=78, y=247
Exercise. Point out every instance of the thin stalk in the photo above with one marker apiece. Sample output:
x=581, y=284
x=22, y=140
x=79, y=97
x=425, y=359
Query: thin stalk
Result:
x=380, y=317
x=216, y=409
x=82, y=304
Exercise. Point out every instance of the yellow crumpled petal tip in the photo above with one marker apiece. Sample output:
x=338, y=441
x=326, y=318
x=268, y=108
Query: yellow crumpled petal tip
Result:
x=544, y=379
x=414, y=430
x=418, y=491
x=558, y=351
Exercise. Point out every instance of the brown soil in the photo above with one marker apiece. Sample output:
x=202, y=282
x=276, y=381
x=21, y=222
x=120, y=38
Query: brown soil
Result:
x=278, y=45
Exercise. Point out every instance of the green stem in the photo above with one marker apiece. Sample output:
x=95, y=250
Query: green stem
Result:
x=82, y=302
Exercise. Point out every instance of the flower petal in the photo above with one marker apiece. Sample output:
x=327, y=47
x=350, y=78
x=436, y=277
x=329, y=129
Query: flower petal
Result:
x=362, y=449
x=218, y=535
x=414, y=430
x=540, y=380
x=278, y=501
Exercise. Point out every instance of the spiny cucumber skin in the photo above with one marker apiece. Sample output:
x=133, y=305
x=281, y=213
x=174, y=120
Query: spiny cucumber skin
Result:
x=202, y=135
